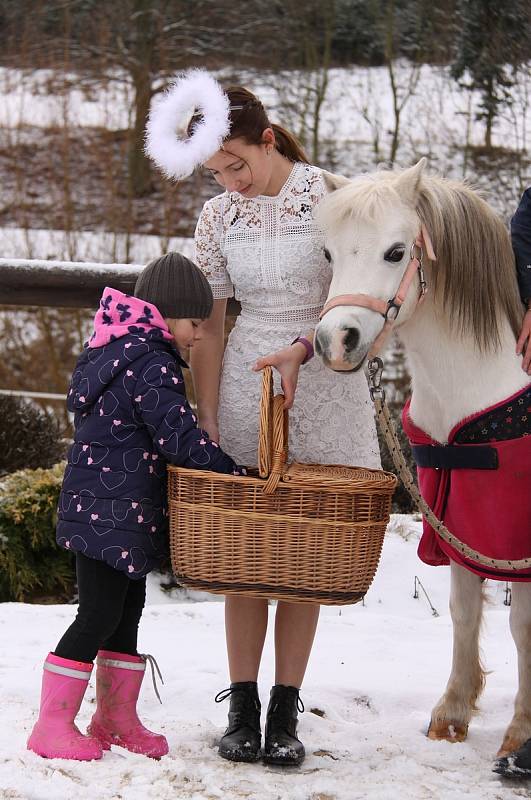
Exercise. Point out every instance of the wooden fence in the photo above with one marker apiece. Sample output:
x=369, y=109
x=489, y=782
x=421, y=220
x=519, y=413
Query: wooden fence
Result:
x=66, y=284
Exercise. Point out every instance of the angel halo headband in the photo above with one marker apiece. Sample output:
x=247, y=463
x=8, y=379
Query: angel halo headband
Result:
x=195, y=93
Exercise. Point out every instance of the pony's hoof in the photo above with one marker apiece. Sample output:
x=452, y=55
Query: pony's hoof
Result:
x=447, y=731
x=508, y=746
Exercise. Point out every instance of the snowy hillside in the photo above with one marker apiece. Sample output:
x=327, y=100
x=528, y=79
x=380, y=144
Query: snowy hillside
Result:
x=357, y=96
x=373, y=676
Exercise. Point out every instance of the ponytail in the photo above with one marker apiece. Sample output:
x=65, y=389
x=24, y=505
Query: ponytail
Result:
x=288, y=145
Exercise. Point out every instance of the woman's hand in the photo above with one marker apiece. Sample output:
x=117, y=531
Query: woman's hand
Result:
x=287, y=361
x=523, y=345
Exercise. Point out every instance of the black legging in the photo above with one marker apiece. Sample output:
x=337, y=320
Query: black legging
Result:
x=110, y=607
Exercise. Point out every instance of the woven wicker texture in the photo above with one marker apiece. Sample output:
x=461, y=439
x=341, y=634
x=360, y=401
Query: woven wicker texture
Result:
x=303, y=532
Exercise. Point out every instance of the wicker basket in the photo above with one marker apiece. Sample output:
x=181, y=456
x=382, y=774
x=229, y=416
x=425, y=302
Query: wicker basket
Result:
x=300, y=533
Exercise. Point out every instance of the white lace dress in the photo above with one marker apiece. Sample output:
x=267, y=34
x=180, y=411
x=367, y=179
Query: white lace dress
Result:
x=267, y=252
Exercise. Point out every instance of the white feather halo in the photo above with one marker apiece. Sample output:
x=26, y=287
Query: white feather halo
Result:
x=167, y=143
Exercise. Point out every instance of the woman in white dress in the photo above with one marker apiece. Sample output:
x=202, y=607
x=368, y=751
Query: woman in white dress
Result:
x=257, y=241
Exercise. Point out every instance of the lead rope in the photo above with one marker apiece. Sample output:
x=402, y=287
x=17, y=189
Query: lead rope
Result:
x=149, y=659
x=388, y=430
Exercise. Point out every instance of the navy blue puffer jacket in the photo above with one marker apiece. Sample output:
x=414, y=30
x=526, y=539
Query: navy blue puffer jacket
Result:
x=521, y=237
x=131, y=418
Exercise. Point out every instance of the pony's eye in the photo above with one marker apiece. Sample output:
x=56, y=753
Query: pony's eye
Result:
x=395, y=253
x=327, y=255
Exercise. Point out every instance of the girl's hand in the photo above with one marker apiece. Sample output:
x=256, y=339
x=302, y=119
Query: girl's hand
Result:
x=287, y=361
x=211, y=427
x=523, y=345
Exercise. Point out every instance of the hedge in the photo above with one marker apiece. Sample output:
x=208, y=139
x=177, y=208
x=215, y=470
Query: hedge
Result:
x=32, y=566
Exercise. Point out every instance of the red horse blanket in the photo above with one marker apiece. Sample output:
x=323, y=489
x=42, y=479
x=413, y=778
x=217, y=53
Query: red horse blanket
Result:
x=488, y=509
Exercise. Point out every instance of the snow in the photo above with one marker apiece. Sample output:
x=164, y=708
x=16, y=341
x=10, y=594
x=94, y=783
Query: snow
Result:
x=374, y=674
x=34, y=98
x=357, y=99
x=87, y=246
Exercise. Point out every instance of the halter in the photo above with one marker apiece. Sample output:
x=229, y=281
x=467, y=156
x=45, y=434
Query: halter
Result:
x=388, y=310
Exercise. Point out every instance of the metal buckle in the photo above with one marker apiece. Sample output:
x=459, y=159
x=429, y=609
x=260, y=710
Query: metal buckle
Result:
x=422, y=279
x=420, y=268
x=391, y=307
x=375, y=368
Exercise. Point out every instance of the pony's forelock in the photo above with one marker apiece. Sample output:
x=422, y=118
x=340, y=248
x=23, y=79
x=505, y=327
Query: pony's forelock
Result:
x=364, y=198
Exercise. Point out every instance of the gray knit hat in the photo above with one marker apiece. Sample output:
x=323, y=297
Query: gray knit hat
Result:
x=176, y=286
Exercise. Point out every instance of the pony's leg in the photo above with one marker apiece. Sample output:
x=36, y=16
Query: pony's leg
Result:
x=519, y=729
x=451, y=715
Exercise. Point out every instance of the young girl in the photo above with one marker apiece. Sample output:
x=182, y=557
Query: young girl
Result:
x=258, y=241
x=131, y=418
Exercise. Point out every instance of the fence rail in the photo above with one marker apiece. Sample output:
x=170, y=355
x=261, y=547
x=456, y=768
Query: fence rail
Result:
x=66, y=284
x=33, y=395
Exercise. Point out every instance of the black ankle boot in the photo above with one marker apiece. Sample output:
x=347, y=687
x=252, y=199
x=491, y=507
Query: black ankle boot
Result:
x=281, y=744
x=242, y=739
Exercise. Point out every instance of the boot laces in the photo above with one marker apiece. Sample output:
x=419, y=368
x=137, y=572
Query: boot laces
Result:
x=241, y=717
x=282, y=712
x=149, y=659
x=221, y=696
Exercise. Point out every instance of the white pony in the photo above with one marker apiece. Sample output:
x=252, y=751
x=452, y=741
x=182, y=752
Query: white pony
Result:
x=460, y=343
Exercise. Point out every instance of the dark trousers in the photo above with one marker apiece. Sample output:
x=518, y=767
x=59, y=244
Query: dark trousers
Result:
x=110, y=607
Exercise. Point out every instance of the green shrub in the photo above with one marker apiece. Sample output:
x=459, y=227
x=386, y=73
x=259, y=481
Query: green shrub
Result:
x=32, y=566
x=29, y=437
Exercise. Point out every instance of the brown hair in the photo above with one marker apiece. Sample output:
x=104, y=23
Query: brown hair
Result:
x=248, y=120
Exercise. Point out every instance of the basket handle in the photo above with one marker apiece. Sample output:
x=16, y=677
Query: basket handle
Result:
x=273, y=435
x=265, y=430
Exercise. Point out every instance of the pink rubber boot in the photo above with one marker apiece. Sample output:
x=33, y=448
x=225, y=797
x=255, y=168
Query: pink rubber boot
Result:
x=55, y=735
x=118, y=680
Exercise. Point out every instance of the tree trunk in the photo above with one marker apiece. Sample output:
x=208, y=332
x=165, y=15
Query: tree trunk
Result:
x=396, y=138
x=490, y=103
x=322, y=76
x=488, y=130
x=389, y=57
x=139, y=166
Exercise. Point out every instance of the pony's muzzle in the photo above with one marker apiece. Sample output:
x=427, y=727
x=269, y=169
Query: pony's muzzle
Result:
x=338, y=348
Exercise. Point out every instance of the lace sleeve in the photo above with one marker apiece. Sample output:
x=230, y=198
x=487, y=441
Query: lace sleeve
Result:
x=208, y=255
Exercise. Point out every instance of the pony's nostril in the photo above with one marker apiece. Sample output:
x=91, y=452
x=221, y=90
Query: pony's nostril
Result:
x=351, y=340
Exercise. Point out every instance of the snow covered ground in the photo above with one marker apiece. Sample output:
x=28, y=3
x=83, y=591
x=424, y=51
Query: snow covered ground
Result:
x=89, y=246
x=358, y=98
x=375, y=672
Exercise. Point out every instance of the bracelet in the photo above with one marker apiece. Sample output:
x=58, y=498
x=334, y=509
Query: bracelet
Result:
x=308, y=345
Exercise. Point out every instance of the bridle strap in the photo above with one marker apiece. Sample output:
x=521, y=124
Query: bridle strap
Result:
x=362, y=300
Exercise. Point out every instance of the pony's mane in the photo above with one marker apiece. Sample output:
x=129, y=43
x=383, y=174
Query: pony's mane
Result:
x=474, y=278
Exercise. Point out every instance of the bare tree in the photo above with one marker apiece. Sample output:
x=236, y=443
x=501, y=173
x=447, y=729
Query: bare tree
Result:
x=144, y=42
x=401, y=91
x=303, y=80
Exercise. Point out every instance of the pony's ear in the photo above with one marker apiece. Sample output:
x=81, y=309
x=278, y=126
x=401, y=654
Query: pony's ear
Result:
x=333, y=182
x=408, y=183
